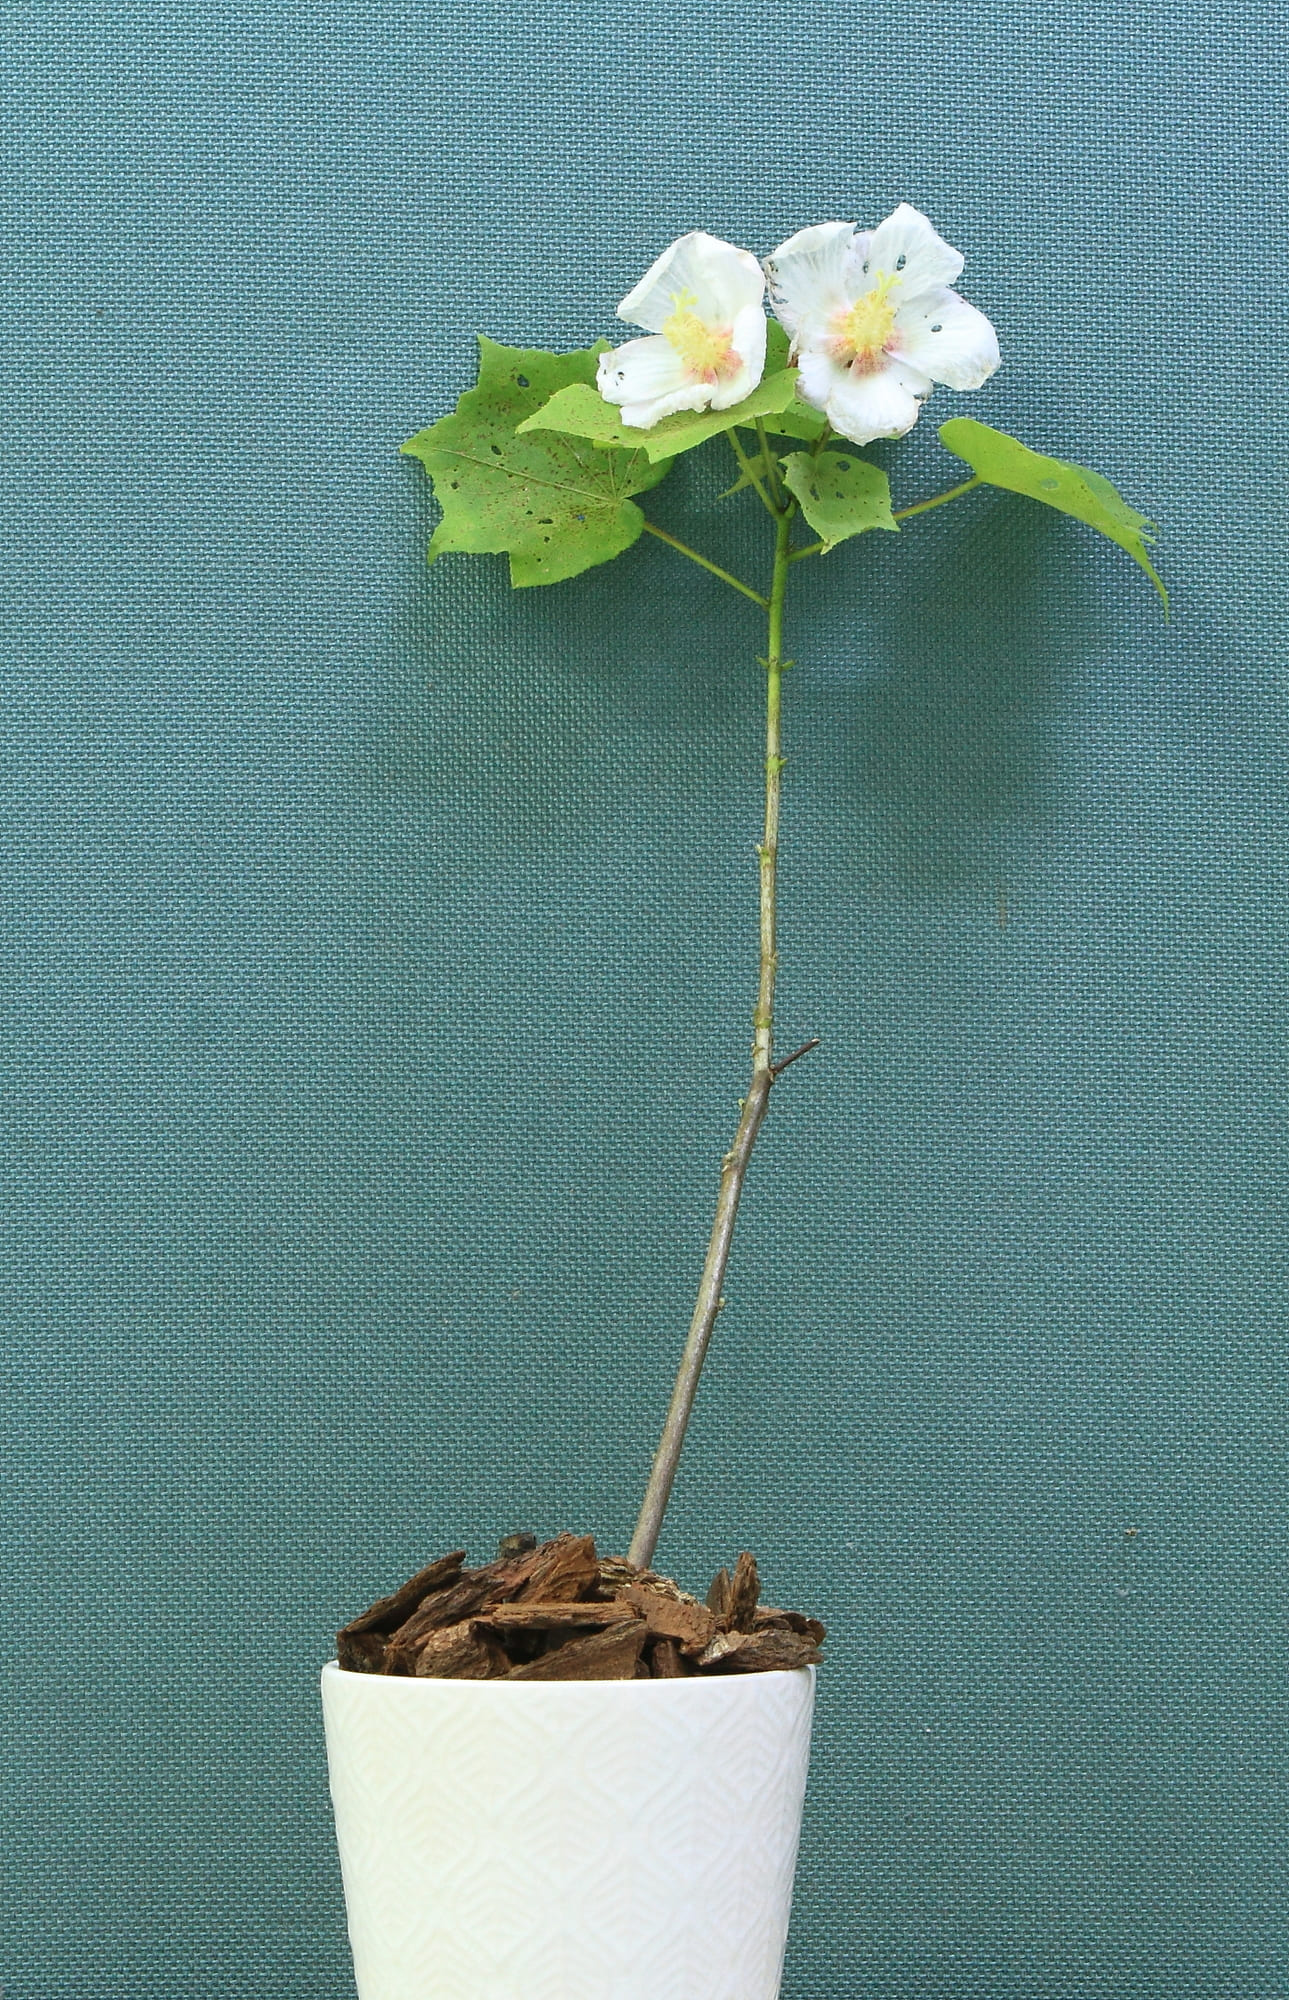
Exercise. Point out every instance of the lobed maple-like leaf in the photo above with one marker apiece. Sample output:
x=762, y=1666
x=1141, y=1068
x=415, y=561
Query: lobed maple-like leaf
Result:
x=554, y=505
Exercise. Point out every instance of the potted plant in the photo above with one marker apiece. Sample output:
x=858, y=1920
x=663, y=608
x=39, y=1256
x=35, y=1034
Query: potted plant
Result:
x=558, y=1773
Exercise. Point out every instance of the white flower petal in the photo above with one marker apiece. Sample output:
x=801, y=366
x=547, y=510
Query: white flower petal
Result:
x=717, y=278
x=810, y=278
x=948, y=339
x=906, y=246
x=884, y=402
x=817, y=376
x=649, y=379
x=748, y=342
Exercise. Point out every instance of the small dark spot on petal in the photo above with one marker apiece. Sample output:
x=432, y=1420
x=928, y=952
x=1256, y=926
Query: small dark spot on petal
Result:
x=937, y=329
x=900, y=262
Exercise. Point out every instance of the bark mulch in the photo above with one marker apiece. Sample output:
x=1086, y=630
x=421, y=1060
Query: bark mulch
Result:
x=556, y=1611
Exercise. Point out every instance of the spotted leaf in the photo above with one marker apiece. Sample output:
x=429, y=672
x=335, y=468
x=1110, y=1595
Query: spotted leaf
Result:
x=554, y=505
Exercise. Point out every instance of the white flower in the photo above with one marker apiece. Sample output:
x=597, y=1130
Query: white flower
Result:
x=874, y=322
x=702, y=303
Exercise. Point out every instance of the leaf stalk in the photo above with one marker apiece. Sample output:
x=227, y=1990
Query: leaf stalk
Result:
x=771, y=469
x=673, y=542
x=939, y=500
x=750, y=472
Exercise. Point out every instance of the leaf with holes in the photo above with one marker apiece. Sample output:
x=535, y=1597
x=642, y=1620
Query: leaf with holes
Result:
x=1000, y=460
x=582, y=412
x=839, y=493
x=554, y=505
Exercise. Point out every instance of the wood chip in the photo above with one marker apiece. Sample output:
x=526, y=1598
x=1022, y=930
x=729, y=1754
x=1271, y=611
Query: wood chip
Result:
x=558, y=1612
x=712, y=1655
x=770, y=1617
x=745, y=1590
x=617, y=1574
x=668, y=1662
x=691, y=1625
x=545, y=1617
x=565, y=1568
x=560, y=1569
x=477, y=1590
x=387, y=1613
x=462, y=1652
x=758, y=1652
x=610, y=1655
x=360, y=1652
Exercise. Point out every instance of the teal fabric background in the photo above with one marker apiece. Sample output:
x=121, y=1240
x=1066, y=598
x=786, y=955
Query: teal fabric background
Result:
x=378, y=948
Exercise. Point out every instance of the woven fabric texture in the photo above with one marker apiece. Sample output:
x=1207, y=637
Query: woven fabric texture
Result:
x=378, y=948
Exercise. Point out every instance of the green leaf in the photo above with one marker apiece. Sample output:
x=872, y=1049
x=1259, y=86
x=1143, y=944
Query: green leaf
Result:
x=582, y=412
x=554, y=506
x=1000, y=460
x=798, y=420
x=839, y=493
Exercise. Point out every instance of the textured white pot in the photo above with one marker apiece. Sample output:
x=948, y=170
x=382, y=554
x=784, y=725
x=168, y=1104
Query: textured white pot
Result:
x=568, y=1840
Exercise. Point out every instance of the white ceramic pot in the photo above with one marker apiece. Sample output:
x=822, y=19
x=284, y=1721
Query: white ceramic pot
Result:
x=568, y=1840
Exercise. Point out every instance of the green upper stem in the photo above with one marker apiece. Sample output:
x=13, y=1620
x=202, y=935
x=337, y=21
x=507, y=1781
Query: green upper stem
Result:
x=753, y=1108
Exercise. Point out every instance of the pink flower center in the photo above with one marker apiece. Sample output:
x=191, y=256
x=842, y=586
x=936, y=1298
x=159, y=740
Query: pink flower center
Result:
x=706, y=350
x=861, y=331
